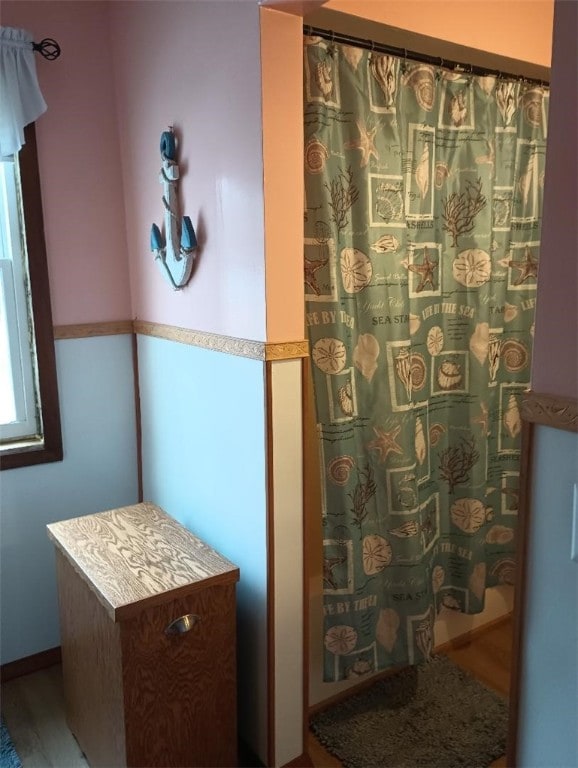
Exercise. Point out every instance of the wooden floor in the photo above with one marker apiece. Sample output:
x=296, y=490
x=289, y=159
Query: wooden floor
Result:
x=33, y=705
x=487, y=657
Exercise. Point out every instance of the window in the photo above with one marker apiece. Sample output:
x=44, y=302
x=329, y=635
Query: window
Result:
x=29, y=413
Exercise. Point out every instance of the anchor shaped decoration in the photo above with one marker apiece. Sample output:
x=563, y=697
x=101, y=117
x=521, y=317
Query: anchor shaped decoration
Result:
x=176, y=255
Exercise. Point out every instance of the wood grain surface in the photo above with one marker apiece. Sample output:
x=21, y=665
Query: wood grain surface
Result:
x=33, y=707
x=136, y=696
x=180, y=691
x=550, y=410
x=132, y=557
x=89, y=330
x=230, y=345
x=92, y=670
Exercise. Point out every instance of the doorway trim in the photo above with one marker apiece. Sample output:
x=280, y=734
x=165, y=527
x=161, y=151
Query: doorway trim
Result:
x=550, y=411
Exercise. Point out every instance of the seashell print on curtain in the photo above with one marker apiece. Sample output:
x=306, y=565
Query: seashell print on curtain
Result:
x=421, y=251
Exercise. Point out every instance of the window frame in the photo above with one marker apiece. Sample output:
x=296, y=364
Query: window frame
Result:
x=19, y=346
x=29, y=453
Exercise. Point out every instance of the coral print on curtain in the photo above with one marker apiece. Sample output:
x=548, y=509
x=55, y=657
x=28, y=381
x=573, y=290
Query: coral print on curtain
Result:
x=422, y=238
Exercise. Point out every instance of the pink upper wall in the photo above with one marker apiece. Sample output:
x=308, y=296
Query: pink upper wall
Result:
x=519, y=29
x=194, y=65
x=555, y=365
x=79, y=162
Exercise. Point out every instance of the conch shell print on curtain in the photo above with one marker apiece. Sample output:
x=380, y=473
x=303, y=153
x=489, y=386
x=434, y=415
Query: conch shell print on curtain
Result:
x=421, y=256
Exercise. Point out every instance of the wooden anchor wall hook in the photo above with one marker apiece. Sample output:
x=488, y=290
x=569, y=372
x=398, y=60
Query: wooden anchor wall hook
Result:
x=175, y=256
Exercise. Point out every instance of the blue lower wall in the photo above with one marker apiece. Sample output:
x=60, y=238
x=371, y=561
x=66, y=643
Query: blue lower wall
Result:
x=99, y=471
x=549, y=705
x=204, y=463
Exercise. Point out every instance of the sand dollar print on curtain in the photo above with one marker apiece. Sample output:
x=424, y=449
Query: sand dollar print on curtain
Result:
x=422, y=243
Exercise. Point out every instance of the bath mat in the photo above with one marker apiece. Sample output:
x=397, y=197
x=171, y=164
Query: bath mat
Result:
x=8, y=755
x=433, y=715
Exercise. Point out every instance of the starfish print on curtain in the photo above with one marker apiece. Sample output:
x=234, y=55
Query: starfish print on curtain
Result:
x=527, y=267
x=365, y=143
x=422, y=236
x=425, y=270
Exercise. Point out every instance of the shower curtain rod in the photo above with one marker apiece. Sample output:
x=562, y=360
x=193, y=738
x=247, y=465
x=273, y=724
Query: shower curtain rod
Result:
x=403, y=53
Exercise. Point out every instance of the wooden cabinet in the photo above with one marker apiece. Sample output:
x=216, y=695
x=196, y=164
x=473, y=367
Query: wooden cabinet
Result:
x=147, y=615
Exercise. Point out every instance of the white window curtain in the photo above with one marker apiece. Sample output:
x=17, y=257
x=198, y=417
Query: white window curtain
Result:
x=21, y=101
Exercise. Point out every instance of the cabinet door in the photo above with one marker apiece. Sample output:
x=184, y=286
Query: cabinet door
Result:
x=180, y=689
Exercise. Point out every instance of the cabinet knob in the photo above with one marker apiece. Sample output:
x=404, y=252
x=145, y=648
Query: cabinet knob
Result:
x=183, y=624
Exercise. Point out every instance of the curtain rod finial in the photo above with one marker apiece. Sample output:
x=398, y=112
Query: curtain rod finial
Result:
x=48, y=48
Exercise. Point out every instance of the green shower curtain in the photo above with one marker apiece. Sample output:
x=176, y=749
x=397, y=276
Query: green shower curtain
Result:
x=422, y=236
